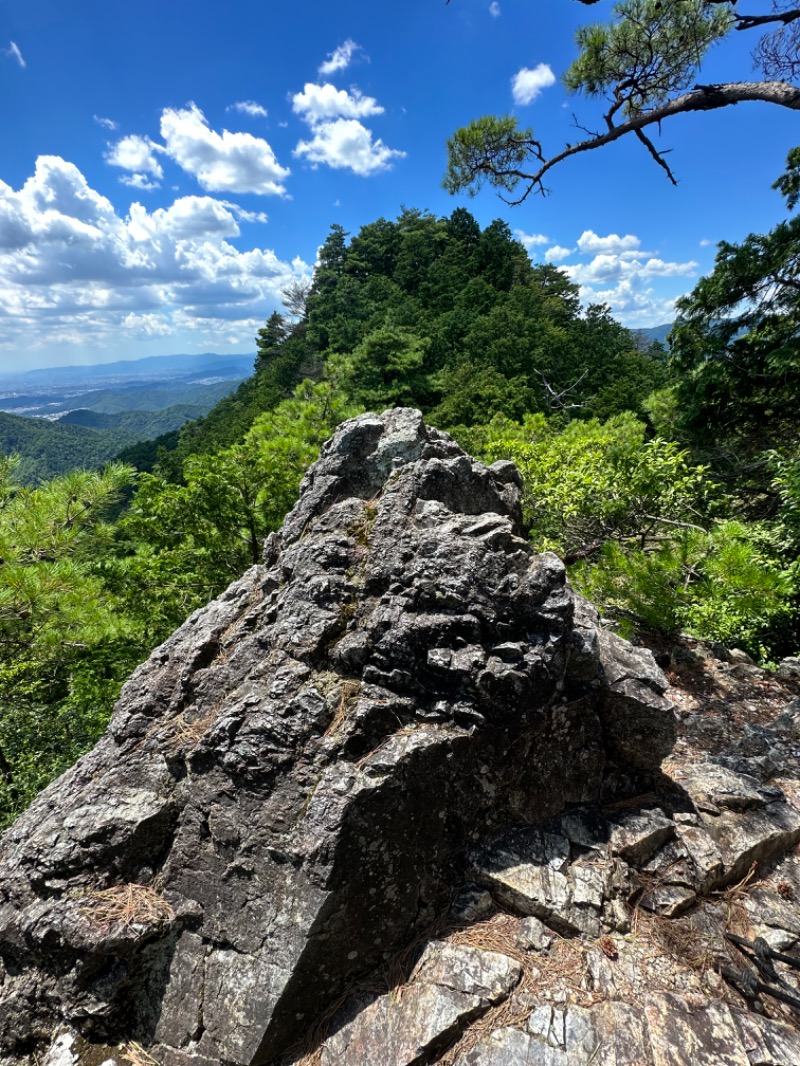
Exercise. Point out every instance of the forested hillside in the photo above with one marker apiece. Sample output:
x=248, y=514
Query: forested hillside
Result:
x=83, y=439
x=435, y=312
x=52, y=448
x=667, y=485
x=51, y=436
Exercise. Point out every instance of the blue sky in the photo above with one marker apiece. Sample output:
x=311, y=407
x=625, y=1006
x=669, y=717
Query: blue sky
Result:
x=168, y=167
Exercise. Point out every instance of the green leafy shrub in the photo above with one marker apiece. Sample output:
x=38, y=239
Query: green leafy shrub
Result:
x=644, y=530
x=588, y=483
x=728, y=585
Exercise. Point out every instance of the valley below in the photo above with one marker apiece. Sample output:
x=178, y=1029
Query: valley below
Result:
x=60, y=418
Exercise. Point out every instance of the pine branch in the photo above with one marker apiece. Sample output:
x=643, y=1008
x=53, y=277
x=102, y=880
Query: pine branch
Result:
x=700, y=98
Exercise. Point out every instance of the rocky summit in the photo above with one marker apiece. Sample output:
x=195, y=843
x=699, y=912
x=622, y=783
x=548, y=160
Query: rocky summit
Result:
x=396, y=798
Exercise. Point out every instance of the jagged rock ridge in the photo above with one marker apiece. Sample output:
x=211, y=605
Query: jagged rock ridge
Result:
x=292, y=785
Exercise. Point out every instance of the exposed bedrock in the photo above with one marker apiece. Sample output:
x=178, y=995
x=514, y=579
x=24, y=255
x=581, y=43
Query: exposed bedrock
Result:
x=291, y=785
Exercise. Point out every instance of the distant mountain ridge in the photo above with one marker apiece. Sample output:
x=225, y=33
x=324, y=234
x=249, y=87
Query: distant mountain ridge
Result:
x=61, y=418
x=154, y=367
x=656, y=333
x=147, y=396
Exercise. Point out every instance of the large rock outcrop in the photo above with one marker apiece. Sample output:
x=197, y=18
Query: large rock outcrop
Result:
x=293, y=784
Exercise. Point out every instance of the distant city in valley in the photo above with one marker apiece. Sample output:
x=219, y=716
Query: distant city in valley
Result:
x=60, y=417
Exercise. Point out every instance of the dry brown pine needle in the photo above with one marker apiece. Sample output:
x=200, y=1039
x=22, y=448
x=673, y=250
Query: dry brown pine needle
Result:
x=135, y=1055
x=129, y=904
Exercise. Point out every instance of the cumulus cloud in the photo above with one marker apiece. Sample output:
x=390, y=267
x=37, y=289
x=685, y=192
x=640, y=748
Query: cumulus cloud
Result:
x=221, y=162
x=249, y=216
x=608, y=267
x=149, y=324
x=632, y=303
x=188, y=218
x=72, y=269
x=136, y=154
x=705, y=242
x=316, y=103
x=527, y=83
x=530, y=240
x=139, y=181
x=14, y=52
x=590, y=243
x=248, y=107
x=106, y=123
x=494, y=9
x=339, y=59
x=557, y=253
x=339, y=139
x=345, y=144
x=632, y=282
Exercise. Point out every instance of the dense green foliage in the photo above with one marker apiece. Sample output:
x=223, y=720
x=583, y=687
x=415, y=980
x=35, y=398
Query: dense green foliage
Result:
x=64, y=645
x=283, y=361
x=179, y=545
x=649, y=534
x=50, y=448
x=458, y=321
x=736, y=343
x=626, y=461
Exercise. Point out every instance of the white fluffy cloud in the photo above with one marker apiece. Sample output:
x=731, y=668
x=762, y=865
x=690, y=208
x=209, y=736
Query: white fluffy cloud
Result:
x=633, y=303
x=339, y=139
x=248, y=107
x=345, y=144
x=592, y=244
x=494, y=9
x=557, y=253
x=106, y=123
x=74, y=270
x=604, y=268
x=188, y=218
x=530, y=240
x=136, y=154
x=221, y=162
x=527, y=83
x=318, y=103
x=339, y=59
x=139, y=181
x=148, y=324
x=638, y=286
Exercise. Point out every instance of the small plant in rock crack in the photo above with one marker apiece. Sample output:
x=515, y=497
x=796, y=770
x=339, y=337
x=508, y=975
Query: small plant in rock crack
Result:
x=361, y=528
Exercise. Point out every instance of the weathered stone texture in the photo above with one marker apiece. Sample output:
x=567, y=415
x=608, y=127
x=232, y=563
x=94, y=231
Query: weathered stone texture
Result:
x=301, y=768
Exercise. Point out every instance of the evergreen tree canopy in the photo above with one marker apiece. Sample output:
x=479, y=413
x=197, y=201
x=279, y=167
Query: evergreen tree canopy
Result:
x=736, y=344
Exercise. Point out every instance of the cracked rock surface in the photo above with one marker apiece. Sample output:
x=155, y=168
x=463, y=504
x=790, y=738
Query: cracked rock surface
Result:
x=620, y=915
x=292, y=785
